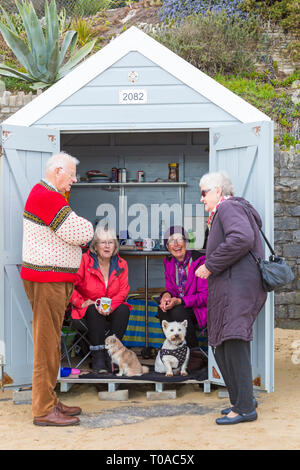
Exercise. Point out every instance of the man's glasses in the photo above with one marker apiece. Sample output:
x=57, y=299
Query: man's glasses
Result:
x=71, y=175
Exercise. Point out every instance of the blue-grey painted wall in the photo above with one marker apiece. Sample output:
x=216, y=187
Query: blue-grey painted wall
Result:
x=150, y=152
x=171, y=103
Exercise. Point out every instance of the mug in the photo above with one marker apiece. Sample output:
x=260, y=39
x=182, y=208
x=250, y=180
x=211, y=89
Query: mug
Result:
x=139, y=244
x=148, y=244
x=128, y=242
x=104, y=303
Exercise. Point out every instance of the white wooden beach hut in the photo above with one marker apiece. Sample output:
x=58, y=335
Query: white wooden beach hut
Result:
x=133, y=104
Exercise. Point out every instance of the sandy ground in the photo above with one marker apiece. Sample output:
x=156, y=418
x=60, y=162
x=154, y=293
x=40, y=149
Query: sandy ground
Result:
x=278, y=425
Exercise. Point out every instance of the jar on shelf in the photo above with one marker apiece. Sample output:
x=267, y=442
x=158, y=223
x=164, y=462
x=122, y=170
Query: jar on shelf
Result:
x=173, y=172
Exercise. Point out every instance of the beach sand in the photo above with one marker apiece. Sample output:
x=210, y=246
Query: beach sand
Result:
x=277, y=427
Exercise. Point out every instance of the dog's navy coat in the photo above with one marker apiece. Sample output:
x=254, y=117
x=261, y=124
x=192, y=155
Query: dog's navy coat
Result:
x=179, y=353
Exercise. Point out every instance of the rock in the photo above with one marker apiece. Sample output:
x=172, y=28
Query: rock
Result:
x=296, y=84
x=2, y=88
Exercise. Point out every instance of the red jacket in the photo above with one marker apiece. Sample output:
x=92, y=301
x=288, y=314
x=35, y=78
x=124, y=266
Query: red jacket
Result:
x=89, y=283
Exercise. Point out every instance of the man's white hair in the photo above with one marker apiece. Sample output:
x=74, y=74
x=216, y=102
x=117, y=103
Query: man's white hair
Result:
x=218, y=179
x=60, y=160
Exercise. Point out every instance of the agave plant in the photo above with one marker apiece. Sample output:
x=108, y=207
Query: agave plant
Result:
x=40, y=52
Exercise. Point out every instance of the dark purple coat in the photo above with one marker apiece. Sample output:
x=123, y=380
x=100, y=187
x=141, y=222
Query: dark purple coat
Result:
x=235, y=288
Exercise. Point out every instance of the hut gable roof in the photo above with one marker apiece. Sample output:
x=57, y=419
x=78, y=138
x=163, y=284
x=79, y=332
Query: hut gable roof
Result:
x=135, y=40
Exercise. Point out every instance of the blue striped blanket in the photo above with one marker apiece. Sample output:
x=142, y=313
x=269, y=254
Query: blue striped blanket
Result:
x=135, y=333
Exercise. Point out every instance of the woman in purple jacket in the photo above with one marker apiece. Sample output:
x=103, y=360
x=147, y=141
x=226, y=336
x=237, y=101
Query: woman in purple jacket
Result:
x=236, y=295
x=186, y=295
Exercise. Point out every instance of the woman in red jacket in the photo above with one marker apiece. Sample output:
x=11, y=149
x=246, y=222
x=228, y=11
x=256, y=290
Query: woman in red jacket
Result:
x=102, y=273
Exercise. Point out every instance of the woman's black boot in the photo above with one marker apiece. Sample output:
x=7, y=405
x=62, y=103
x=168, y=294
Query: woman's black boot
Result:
x=98, y=359
x=108, y=362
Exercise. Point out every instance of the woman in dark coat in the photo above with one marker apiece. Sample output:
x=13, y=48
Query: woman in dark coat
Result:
x=236, y=295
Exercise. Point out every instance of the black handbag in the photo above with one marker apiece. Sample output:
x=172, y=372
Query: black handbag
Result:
x=276, y=272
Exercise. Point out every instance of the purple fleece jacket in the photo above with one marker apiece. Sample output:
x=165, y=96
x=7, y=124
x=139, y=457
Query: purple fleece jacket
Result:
x=196, y=291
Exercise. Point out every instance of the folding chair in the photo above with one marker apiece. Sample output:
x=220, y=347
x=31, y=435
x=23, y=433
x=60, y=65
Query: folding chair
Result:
x=73, y=333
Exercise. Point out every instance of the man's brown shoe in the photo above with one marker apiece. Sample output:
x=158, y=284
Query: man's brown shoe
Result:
x=56, y=418
x=69, y=410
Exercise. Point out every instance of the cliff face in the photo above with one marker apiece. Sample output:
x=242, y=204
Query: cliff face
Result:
x=145, y=15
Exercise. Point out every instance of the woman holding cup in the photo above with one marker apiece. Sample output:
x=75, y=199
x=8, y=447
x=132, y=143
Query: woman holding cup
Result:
x=99, y=296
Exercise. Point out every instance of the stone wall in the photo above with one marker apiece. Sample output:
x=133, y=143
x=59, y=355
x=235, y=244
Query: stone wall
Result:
x=280, y=41
x=286, y=212
x=10, y=103
x=287, y=232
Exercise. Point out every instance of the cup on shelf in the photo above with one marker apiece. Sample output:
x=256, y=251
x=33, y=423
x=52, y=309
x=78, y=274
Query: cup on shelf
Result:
x=139, y=244
x=148, y=244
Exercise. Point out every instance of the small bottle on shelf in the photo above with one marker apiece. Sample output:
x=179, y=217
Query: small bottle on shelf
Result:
x=173, y=172
x=162, y=232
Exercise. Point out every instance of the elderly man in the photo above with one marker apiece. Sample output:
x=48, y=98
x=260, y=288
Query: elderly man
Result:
x=52, y=239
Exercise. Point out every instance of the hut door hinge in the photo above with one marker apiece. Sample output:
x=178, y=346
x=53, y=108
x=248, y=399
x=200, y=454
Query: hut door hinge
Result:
x=52, y=138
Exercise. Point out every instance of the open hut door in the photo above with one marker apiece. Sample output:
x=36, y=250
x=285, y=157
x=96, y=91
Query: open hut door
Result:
x=245, y=152
x=25, y=151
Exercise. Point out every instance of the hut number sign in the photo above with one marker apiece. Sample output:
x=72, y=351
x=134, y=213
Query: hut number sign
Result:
x=132, y=96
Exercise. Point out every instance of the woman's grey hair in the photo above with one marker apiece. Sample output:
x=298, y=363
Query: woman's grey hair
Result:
x=218, y=179
x=60, y=160
x=102, y=233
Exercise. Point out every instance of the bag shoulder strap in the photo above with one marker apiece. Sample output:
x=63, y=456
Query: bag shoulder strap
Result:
x=267, y=242
x=250, y=216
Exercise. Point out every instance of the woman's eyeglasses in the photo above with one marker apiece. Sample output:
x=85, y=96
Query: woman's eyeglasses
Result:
x=205, y=191
x=106, y=242
x=179, y=239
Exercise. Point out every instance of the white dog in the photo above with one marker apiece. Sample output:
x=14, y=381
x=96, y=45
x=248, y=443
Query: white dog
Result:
x=174, y=354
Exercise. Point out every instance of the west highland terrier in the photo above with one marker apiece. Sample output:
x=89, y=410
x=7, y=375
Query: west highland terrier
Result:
x=174, y=355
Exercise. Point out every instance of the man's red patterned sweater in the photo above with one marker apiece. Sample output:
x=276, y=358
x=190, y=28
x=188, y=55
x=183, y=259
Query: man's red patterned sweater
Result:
x=52, y=236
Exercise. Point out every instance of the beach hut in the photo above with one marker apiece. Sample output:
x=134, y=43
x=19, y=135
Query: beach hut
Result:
x=134, y=105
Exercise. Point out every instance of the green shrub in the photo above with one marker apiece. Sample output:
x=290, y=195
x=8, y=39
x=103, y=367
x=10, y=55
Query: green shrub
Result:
x=14, y=84
x=215, y=43
x=287, y=140
x=293, y=50
x=257, y=93
x=40, y=51
x=84, y=29
x=284, y=12
x=270, y=99
x=91, y=7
